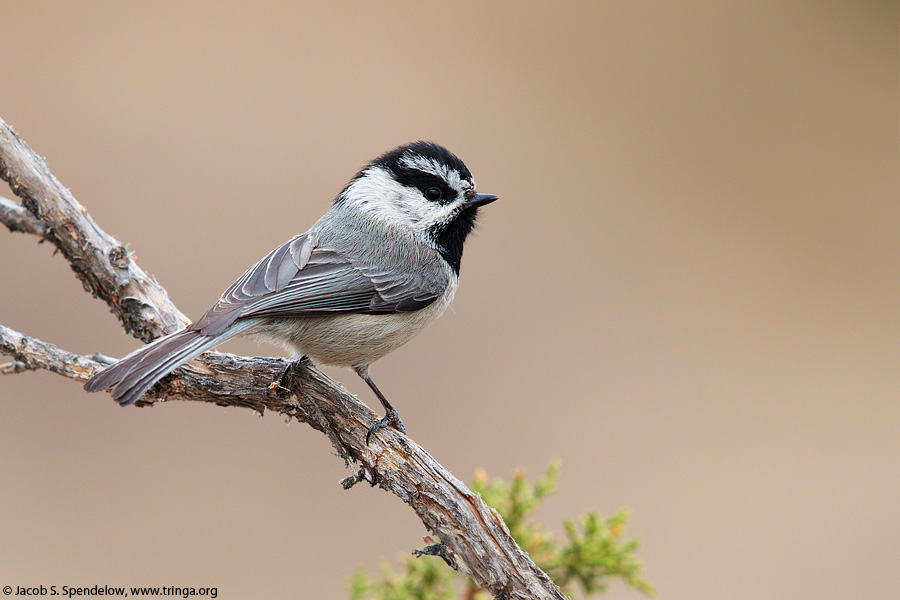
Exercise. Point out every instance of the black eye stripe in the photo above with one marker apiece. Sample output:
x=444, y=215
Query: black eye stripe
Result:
x=448, y=195
x=401, y=163
x=425, y=181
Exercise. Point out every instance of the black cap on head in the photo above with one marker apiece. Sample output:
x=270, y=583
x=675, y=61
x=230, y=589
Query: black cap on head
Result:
x=392, y=160
x=406, y=165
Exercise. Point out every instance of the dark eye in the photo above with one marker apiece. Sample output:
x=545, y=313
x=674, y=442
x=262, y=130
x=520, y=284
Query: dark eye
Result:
x=433, y=194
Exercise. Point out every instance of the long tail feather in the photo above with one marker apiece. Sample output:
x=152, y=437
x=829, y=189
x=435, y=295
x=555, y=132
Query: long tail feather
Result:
x=136, y=373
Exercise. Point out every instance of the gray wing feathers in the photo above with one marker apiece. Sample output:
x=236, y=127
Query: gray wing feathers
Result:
x=271, y=274
x=328, y=283
x=403, y=292
x=302, y=247
x=280, y=268
x=299, y=279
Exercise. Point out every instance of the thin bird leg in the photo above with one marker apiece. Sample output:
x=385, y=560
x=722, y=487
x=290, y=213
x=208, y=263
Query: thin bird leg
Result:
x=391, y=416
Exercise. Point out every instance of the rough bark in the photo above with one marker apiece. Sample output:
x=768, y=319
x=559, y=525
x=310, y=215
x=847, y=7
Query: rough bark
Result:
x=16, y=218
x=100, y=261
x=473, y=536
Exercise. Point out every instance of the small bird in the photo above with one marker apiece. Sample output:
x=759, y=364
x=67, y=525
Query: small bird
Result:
x=369, y=275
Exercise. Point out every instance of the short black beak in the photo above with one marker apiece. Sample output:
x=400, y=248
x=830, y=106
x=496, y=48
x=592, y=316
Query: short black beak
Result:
x=480, y=200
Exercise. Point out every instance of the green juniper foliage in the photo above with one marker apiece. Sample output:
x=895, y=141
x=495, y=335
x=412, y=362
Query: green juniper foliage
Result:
x=590, y=555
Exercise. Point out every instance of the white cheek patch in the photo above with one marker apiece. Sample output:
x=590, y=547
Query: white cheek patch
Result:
x=375, y=194
x=378, y=195
x=440, y=215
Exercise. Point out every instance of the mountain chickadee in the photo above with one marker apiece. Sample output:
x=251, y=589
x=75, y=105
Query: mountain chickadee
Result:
x=380, y=265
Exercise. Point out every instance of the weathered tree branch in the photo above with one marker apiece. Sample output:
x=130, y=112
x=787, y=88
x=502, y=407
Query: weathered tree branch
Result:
x=472, y=535
x=32, y=354
x=16, y=218
x=99, y=260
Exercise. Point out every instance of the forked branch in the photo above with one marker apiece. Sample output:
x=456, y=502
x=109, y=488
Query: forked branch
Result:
x=473, y=535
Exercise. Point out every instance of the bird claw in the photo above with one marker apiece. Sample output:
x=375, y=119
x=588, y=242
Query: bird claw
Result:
x=391, y=418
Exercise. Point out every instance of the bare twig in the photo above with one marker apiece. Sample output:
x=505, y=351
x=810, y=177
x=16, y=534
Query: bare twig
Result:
x=15, y=366
x=472, y=535
x=34, y=354
x=16, y=218
x=100, y=261
x=440, y=550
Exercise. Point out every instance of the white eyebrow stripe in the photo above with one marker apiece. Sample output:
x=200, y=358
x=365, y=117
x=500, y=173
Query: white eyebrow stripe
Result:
x=416, y=161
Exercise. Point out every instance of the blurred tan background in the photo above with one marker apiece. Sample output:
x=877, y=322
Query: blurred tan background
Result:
x=688, y=291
